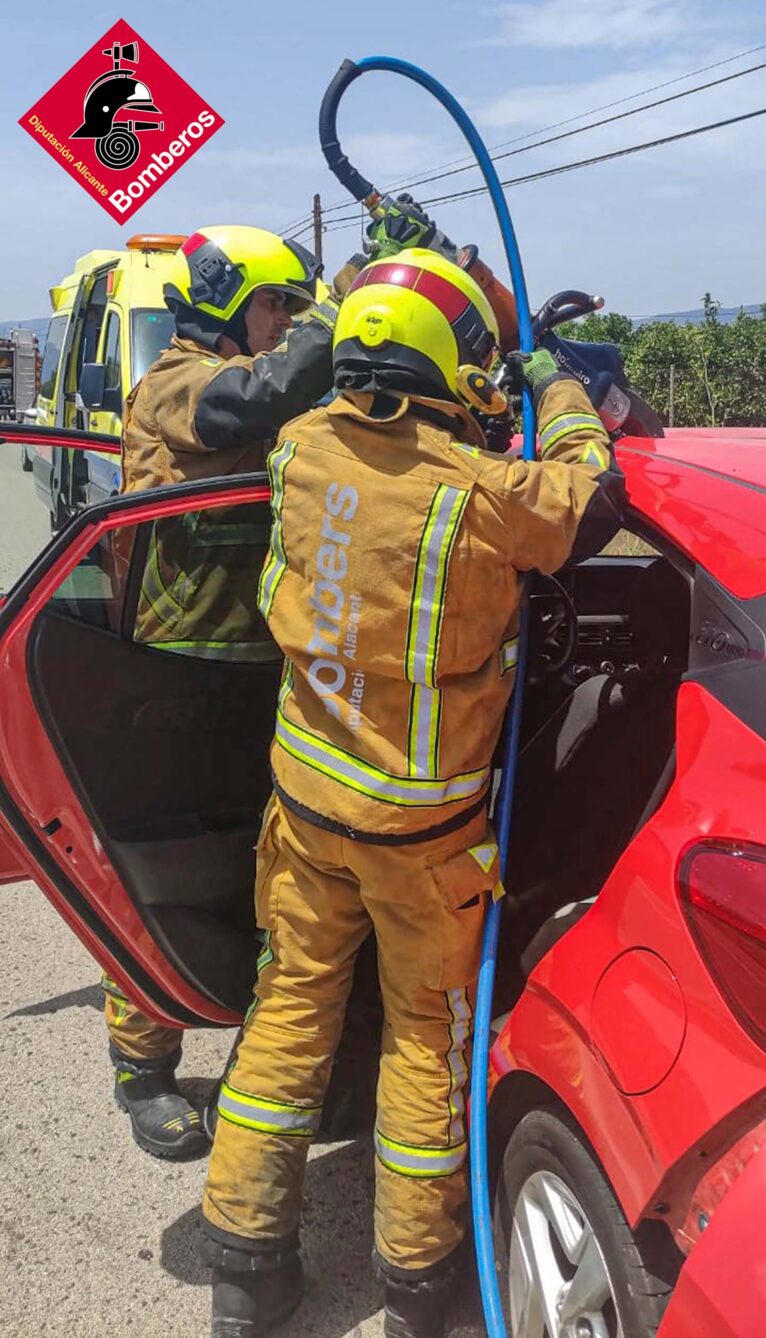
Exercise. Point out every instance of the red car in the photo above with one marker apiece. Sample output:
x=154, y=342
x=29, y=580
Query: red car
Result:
x=628, y=1097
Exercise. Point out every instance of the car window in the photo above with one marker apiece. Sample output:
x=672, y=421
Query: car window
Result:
x=626, y=544
x=53, y=345
x=184, y=584
x=111, y=354
x=151, y=332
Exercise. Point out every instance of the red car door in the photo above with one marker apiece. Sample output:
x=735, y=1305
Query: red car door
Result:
x=134, y=762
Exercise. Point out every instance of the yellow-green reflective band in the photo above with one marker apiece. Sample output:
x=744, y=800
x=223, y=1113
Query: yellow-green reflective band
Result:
x=267, y=1117
x=426, y=609
x=485, y=855
x=276, y=563
x=593, y=455
x=111, y=987
x=565, y=423
x=365, y=779
x=265, y=956
x=460, y=1030
x=286, y=685
x=509, y=655
x=423, y=744
x=260, y=652
x=421, y=1163
x=468, y=450
x=326, y=313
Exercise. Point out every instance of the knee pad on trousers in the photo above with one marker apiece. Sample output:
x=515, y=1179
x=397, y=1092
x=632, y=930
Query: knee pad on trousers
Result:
x=140, y=1068
x=231, y=1253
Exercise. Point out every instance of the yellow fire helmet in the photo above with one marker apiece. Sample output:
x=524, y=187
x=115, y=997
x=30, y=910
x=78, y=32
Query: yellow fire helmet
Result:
x=218, y=268
x=420, y=324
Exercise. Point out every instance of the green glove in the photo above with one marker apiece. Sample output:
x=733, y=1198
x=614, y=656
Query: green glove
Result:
x=536, y=367
x=402, y=224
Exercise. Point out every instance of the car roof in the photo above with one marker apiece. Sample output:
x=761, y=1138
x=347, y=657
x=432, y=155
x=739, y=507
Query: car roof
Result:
x=705, y=489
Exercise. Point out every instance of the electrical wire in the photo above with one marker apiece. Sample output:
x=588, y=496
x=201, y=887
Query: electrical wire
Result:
x=347, y=220
x=306, y=220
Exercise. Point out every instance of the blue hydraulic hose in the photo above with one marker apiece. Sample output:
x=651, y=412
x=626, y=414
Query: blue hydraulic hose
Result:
x=480, y=1196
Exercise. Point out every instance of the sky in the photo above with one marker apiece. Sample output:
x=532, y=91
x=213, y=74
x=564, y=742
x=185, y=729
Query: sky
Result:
x=651, y=231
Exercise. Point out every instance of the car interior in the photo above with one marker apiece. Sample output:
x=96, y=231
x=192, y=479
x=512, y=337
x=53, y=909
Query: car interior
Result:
x=169, y=751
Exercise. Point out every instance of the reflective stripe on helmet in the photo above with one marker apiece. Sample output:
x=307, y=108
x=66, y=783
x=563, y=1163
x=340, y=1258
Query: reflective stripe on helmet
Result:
x=424, y=629
x=276, y=563
x=265, y=1116
x=366, y=779
x=565, y=423
x=419, y=1162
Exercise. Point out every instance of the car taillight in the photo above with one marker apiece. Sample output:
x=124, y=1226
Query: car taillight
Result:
x=723, y=893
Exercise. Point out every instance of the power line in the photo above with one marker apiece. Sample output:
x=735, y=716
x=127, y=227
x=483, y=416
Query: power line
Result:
x=703, y=69
x=571, y=167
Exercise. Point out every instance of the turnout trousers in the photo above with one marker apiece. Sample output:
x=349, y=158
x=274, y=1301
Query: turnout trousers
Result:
x=317, y=894
x=135, y=1035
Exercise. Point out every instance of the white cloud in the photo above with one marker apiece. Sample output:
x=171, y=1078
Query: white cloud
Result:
x=617, y=24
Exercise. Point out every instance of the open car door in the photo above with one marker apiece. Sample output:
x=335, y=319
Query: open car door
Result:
x=134, y=759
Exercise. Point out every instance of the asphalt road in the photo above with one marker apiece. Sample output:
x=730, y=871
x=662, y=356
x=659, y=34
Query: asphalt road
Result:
x=97, y=1240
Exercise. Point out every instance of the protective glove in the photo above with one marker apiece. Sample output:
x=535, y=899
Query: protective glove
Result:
x=534, y=367
x=402, y=224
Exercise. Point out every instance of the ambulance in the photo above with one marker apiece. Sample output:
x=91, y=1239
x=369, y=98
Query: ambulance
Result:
x=109, y=324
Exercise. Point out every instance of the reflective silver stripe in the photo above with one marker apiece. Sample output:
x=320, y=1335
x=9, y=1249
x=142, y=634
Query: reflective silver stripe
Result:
x=509, y=654
x=460, y=1012
x=358, y=775
x=594, y=455
x=326, y=312
x=253, y=1112
x=276, y=562
x=565, y=423
x=425, y=715
x=426, y=1163
x=436, y=541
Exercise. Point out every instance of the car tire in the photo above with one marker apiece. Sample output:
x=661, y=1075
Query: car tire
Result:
x=568, y=1264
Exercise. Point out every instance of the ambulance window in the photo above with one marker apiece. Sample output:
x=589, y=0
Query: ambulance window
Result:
x=53, y=345
x=151, y=332
x=92, y=321
x=111, y=355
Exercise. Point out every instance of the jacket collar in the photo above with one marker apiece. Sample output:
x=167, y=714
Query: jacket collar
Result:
x=361, y=404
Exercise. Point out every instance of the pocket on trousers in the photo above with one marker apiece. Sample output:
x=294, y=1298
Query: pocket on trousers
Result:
x=266, y=853
x=461, y=888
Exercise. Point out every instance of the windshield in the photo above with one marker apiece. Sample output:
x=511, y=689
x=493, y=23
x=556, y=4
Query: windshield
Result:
x=151, y=332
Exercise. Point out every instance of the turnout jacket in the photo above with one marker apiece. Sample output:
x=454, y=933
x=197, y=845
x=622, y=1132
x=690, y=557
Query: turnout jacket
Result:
x=393, y=586
x=193, y=416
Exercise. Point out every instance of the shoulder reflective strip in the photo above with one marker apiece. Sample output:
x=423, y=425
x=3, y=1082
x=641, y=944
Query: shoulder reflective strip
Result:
x=460, y=1029
x=485, y=855
x=326, y=313
x=439, y=531
x=509, y=654
x=365, y=779
x=563, y=424
x=425, y=1163
x=423, y=738
x=593, y=455
x=212, y=362
x=468, y=450
x=276, y=562
x=267, y=1117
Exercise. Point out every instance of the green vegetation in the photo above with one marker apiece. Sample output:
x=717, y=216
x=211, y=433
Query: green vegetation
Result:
x=719, y=371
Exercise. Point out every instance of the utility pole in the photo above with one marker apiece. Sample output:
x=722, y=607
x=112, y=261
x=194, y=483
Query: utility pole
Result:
x=317, y=211
x=672, y=396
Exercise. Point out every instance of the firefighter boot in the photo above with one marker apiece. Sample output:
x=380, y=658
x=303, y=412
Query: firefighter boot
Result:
x=253, y=1290
x=164, y=1124
x=416, y=1306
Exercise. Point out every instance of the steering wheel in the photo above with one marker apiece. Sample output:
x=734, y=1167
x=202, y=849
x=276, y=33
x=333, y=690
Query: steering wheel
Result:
x=552, y=628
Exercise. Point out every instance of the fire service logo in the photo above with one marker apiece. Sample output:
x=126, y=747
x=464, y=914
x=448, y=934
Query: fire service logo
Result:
x=121, y=121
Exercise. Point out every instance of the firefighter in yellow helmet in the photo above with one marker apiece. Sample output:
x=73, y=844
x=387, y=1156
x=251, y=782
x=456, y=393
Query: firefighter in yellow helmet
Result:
x=213, y=404
x=393, y=587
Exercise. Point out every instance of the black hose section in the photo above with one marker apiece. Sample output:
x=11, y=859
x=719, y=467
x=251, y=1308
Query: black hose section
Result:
x=338, y=163
x=563, y=307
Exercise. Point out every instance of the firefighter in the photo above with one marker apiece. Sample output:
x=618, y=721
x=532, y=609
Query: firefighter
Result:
x=213, y=404
x=393, y=588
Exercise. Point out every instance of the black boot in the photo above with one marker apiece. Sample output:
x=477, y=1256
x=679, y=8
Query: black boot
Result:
x=255, y=1289
x=416, y=1304
x=164, y=1124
